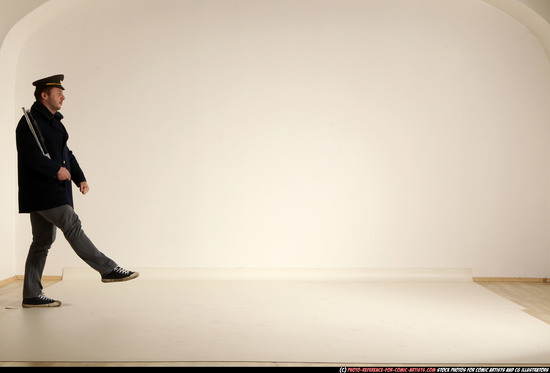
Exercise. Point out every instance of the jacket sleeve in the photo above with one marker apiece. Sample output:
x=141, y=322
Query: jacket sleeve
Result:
x=77, y=175
x=30, y=155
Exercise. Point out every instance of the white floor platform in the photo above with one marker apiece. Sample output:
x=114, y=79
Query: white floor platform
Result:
x=267, y=316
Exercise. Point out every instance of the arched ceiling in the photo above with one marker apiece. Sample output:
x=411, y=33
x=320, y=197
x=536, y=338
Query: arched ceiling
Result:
x=542, y=7
x=11, y=11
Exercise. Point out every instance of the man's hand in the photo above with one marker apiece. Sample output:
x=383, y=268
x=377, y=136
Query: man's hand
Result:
x=63, y=174
x=84, y=188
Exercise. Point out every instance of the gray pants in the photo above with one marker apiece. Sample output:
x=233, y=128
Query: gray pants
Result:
x=44, y=226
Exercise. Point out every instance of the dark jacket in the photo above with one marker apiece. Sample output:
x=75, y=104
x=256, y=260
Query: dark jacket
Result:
x=39, y=188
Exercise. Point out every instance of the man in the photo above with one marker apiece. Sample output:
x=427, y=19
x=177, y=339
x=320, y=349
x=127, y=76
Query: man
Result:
x=46, y=168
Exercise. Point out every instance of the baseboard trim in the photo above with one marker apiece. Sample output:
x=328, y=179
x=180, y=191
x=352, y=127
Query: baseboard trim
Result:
x=44, y=278
x=512, y=279
x=7, y=281
x=475, y=279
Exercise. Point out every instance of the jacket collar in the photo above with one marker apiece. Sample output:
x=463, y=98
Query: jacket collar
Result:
x=39, y=107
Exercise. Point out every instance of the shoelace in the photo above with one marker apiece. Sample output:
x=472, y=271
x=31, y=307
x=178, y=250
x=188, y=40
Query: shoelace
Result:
x=43, y=297
x=122, y=271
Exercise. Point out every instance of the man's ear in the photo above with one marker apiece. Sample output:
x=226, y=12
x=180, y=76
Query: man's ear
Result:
x=44, y=95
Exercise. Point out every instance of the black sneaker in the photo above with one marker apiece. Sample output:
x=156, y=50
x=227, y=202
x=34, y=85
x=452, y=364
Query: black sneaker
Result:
x=40, y=301
x=119, y=274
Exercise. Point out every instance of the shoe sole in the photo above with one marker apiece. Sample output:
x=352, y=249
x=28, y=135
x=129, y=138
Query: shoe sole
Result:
x=54, y=304
x=127, y=278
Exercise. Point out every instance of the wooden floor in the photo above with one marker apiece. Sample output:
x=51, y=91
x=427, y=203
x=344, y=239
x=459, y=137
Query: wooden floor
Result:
x=533, y=296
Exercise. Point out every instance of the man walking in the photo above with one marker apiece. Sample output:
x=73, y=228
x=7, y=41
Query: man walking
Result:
x=46, y=167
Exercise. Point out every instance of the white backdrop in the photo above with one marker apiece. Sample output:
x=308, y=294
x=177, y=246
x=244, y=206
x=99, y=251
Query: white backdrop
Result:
x=331, y=134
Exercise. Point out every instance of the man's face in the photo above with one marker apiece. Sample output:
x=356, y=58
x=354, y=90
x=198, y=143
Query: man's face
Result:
x=54, y=100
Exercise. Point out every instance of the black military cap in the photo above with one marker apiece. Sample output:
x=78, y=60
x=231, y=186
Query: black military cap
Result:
x=51, y=81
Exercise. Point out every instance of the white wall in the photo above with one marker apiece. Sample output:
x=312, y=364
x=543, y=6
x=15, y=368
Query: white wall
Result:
x=11, y=12
x=379, y=134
